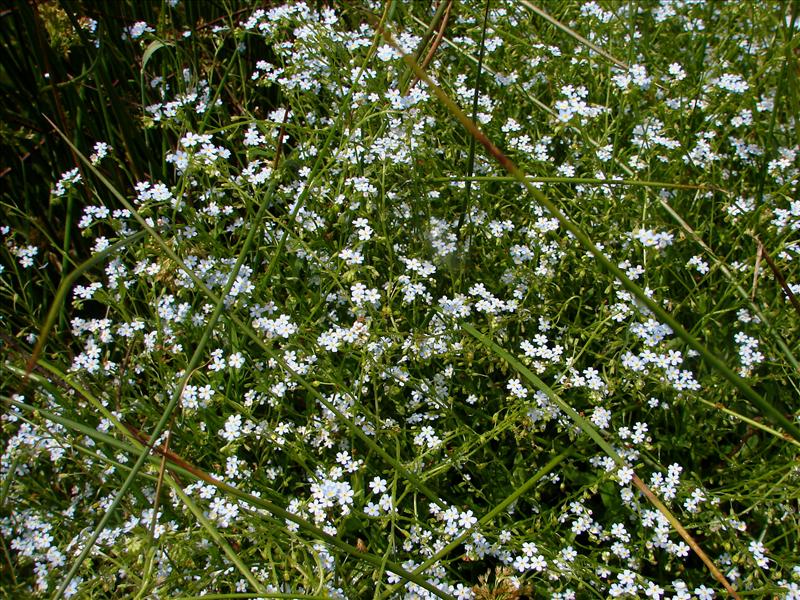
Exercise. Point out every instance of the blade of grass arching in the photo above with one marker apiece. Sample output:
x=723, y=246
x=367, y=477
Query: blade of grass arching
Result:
x=73, y=80
x=184, y=468
x=663, y=316
x=559, y=25
x=215, y=534
x=580, y=421
x=66, y=285
x=9, y=479
x=487, y=518
x=135, y=448
x=586, y=426
x=752, y=422
x=67, y=381
x=465, y=207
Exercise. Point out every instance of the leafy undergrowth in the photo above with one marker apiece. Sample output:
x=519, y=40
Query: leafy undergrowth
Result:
x=288, y=328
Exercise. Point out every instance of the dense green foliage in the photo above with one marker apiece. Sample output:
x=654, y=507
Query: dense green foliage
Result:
x=279, y=321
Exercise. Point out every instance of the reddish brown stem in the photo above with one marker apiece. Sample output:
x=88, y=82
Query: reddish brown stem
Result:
x=775, y=271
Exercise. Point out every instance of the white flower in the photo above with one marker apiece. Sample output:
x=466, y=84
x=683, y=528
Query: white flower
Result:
x=387, y=53
x=704, y=593
x=732, y=82
x=625, y=475
x=385, y=502
x=138, y=29
x=601, y=417
x=677, y=72
x=100, y=152
x=516, y=388
x=378, y=485
x=467, y=519
x=233, y=428
x=236, y=360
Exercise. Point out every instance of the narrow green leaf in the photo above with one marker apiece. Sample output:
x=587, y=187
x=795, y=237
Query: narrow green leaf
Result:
x=151, y=49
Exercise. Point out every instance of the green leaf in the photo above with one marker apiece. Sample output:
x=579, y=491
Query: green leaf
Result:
x=151, y=49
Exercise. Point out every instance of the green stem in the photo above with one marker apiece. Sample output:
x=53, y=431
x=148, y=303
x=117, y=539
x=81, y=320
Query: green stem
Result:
x=215, y=534
x=583, y=423
x=471, y=159
x=749, y=421
x=558, y=24
x=423, y=42
x=66, y=286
